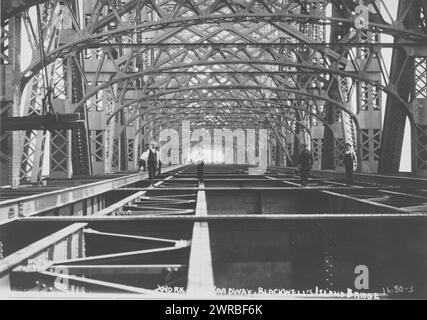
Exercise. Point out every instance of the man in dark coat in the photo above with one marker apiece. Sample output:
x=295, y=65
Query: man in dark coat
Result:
x=142, y=161
x=306, y=163
x=151, y=157
x=200, y=164
x=159, y=162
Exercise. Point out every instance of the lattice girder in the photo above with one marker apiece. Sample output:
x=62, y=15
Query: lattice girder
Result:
x=156, y=50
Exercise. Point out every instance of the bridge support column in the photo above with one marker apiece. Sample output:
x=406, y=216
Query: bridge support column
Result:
x=10, y=49
x=369, y=104
x=419, y=135
x=317, y=139
x=419, y=112
x=408, y=81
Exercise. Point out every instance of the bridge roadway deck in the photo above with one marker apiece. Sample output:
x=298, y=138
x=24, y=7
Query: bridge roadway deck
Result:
x=116, y=226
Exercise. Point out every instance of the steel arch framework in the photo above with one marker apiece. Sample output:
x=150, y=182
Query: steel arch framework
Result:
x=117, y=59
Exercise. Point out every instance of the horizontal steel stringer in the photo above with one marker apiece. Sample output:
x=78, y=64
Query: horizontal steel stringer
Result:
x=108, y=269
x=129, y=236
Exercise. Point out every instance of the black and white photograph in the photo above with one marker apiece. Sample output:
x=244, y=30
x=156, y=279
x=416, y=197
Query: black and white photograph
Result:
x=231, y=151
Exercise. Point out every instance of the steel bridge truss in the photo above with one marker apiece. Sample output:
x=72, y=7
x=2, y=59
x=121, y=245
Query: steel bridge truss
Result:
x=314, y=70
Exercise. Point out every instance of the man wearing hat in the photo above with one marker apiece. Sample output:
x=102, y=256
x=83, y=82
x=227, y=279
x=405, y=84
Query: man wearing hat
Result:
x=159, y=162
x=142, y=162
x=349, y=160
x=151, y=156
x=200, y=164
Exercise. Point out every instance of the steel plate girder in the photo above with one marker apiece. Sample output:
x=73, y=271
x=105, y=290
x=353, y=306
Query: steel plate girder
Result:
x=35, y=204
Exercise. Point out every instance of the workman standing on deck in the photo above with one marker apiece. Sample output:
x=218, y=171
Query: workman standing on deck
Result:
x=159, y=162
x=142, y=162
x=151, y=156
x=305, y=163
x=200, y=164
x=349, y=160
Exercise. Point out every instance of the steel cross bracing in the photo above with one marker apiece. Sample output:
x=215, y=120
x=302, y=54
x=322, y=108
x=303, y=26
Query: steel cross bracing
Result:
x=63, y=76
x=308, y=57
x=78, y=253
x=10, y=30
x=34, y=141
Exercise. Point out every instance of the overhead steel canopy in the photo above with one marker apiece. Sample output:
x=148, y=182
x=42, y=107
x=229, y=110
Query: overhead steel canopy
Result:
x=122, y=35
x=319, y=62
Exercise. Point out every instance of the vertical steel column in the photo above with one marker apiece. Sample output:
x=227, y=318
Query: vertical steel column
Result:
x=10, y=48
x=332, y=150
x=33, y=148
x=369, y=104
x=316, y=32
x=402, y=75
x=109, y=138
x=419, y=106
x=329, y=142
x=99, y=108
x=60, y=79
x=419, y=134
x=123, y=156
x=298, y=138
x=82, y=164
x=31, y=143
